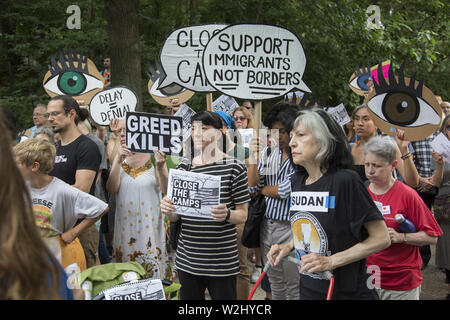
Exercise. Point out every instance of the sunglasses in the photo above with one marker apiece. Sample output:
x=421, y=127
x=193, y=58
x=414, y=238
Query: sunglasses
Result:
x=240, y=118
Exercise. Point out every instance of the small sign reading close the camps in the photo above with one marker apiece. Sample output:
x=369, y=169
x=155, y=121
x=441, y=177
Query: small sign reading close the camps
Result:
x=225, y=103
x=193, y=194
x=254, y=61
x=112, y=103
x=181, y=57
x=146, y=132
x=186, y=113
x=147, y=289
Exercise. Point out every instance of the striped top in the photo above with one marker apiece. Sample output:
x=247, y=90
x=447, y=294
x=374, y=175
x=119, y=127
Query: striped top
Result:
x=208, y=247
x=272, y=172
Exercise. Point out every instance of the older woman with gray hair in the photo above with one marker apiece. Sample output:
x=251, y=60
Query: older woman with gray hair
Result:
x=334, y=222
x=399, y=264
x=45, y=133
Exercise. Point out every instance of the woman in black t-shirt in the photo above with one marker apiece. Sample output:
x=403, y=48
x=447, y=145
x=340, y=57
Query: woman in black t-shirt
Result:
x=334, y=221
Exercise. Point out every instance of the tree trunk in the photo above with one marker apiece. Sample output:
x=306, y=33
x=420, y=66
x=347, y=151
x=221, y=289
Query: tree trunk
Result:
x=124, y=45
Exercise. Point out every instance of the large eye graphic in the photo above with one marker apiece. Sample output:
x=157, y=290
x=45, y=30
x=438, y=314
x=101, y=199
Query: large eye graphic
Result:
x=73, y=74
x=358, y=80
x=72, y=83
x=173, y=94
x=403, y=103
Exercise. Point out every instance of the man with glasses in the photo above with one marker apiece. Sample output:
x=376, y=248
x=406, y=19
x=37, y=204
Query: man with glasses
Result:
x=40, y=118
x=77, y=159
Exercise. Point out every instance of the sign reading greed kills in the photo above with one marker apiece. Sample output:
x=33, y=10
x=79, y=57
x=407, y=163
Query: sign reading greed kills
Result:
x=181, y=57
x=112, y=103
x=251, y=61
x=146, y=132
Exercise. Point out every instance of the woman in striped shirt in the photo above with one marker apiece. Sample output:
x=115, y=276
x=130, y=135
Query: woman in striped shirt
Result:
x=207, y=255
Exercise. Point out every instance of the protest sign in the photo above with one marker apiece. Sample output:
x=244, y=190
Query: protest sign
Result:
x=254, y=61
x=441, y=145
x=186, y=114
x=246, y=136
x=181, y=57
x=193, y=194
x=146, y=132
x=147, y=289
x=112, y=103
x=225, y=103
x=72, y=74
x=339, y=113
x=403, y=103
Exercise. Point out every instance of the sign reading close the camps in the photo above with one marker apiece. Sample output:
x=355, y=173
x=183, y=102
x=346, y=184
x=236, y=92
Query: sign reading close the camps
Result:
x=192, y=193
x=112, y=103
x=146, y=132
x=181, y=57
x=253, y=61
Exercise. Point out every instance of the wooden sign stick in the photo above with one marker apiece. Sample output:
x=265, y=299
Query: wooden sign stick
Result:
x=209, y=101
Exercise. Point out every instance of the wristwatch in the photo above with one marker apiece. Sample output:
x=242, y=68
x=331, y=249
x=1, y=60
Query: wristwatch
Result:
x=228, y=215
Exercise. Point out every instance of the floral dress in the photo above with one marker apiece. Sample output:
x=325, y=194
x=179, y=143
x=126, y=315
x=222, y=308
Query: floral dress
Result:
x=140, y=230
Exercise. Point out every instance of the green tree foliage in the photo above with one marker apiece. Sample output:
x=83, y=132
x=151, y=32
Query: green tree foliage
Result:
x=333, y=33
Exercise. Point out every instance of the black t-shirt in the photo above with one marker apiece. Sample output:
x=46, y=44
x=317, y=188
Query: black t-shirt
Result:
x=327, y=217
x=81, y=154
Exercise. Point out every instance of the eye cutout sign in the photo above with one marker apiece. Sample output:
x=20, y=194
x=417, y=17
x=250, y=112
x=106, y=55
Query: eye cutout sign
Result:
x=181, y=57
x=255, y=61
x=358, y=80
x=72, y=74
x=112, y=103
x=171, y=95
x=403, y=103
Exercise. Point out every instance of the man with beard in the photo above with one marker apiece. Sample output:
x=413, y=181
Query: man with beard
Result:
x=77, y=159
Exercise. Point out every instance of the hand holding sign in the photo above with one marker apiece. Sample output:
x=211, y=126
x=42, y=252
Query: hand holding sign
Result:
x=257, y=62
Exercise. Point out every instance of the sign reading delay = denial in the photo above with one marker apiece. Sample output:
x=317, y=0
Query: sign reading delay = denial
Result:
x=146, y=132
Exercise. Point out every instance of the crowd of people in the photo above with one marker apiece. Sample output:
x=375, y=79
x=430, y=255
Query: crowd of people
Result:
x=75, y=193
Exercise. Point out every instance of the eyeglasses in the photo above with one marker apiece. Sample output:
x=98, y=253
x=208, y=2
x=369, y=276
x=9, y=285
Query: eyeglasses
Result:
x=240, y=118
x=54, y=114
x=45, y=115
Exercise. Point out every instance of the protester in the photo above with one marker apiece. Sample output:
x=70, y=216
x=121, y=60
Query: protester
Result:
x=343, y=233
x=40, y=118
x=207, y=254
x=243, y=118
x=445, y=105
x=140, y=231
x=106, y=73
x=56, y=205
x=366, y=129
x=77, y=160
x=399, y=263
x=271, y=176
x=441, y=207
x=28, y=269
x=45, y=133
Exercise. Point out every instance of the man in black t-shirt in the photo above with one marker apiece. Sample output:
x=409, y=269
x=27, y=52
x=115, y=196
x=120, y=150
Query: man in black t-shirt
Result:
x=77, y=159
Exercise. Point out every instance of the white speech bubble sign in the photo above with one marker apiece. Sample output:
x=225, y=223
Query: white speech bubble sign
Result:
x=181, y=57
x=112, y=103
x=254, y=61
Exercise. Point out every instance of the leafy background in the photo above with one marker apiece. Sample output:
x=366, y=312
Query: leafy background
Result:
x=333, y=34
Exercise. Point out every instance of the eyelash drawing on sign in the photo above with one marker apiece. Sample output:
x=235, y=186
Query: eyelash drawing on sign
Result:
x=171, y=95
x=73, y=74
x=398, y=103
x=358, y=80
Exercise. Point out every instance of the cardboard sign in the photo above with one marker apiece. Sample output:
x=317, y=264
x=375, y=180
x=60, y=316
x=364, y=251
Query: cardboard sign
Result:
x=225, y=103
x=148, y=289
x=441, y=145
x=112, y=103
x=186, y=114
x=146, y=132
x=403, y=103
x=72, y=74
x=339, y=114
x=256, y=62
x=193, y=194
x=181, y=57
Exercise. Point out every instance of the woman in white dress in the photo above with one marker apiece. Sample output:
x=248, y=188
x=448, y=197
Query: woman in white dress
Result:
x=140, y=231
